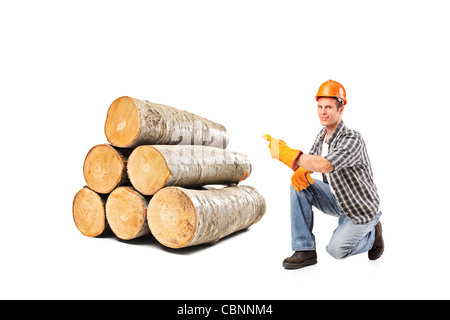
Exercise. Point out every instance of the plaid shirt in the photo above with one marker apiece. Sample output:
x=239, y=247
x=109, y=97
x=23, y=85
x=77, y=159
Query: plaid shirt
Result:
x=352, y=178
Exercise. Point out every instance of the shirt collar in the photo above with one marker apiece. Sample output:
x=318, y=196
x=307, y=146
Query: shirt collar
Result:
x=335, y=133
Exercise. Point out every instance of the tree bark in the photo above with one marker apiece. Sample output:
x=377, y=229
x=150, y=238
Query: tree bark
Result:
x=88, y=211
x=126, y=211
x=151, y=168
x=180, y=217
x=105, y=168
x=132, y=122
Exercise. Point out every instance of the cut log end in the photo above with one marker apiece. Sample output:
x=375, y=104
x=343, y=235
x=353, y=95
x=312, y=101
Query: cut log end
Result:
x=89, y=213
x=172, y=217
x=126, y=211
x=103, y=168
x=147, y=169
x=123, y=122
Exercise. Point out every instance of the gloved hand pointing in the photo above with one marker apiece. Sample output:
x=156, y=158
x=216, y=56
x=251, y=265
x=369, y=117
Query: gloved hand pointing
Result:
x=280, y=151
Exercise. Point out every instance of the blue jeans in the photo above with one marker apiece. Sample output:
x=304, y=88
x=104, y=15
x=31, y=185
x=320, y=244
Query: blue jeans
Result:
x=348, y=239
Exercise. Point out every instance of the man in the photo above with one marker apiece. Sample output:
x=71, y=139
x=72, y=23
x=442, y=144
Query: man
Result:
x=347, y=190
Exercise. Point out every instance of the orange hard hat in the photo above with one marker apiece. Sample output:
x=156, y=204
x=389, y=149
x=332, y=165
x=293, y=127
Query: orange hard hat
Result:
x=332, y=89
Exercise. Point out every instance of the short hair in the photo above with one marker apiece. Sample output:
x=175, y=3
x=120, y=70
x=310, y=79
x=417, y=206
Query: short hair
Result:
x=339, y=101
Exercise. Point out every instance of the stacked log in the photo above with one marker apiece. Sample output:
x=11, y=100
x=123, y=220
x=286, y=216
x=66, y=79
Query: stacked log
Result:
x=180, y=217
x=133, y=122
x=147, y=179
x=105, y=168
x=151, y=168
x=89, y=212
x=126, y=211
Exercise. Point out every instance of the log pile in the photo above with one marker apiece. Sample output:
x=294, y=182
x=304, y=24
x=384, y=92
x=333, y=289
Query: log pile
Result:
x=150, y=178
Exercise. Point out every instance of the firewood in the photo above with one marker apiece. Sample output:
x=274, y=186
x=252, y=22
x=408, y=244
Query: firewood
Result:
x=105, y=168
x=150, y=168
x=132, y=122
x=126, y=211
x=180, y=217
x=88, y=211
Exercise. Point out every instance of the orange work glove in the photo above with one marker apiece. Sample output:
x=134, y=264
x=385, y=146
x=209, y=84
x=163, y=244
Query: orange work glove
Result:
x=301, y=179
x=280, y=151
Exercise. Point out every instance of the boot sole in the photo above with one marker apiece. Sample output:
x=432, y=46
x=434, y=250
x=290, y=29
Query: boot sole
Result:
x=306, y=263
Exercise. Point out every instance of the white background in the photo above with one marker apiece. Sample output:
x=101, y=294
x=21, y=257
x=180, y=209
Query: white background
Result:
x=253, y=66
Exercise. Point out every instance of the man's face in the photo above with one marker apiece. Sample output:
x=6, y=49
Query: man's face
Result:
x=328, y=112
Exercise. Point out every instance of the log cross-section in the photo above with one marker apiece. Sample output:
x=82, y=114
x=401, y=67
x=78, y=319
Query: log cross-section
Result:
x=105, y=168
x=89, y=214
x=126, y=211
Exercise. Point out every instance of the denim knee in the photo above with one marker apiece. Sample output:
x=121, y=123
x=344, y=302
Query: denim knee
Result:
x=338, y=251
x=299, y=194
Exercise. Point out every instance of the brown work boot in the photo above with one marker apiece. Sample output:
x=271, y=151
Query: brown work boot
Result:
x=378, y=245
x=300, y=259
